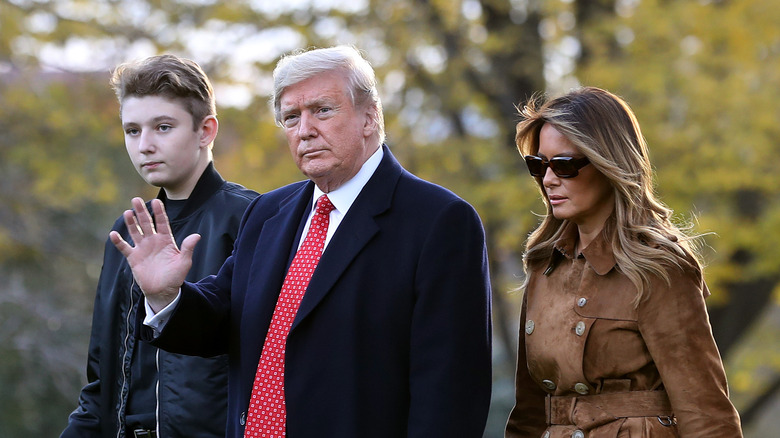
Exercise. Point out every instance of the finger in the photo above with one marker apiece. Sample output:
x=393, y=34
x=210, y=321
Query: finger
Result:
x=188, y=245
x=142, y=217
x=120, y=244
x=161, y=217
x=132, y=226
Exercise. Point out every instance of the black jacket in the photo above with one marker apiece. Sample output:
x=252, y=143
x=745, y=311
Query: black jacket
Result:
x=192, y=391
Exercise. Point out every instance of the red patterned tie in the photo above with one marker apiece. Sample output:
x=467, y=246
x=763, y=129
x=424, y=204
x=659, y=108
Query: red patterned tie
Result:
x=267, y=414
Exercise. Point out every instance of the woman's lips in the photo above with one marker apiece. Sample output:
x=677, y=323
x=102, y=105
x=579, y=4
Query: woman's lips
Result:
x=556, y=199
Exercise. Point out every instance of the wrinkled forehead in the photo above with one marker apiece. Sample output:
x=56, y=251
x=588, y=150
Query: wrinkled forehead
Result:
x=324, y=87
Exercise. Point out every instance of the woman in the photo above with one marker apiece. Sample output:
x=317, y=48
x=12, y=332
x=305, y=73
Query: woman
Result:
x=615, y=339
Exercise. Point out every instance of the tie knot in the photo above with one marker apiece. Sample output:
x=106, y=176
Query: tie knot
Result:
x=324, y=206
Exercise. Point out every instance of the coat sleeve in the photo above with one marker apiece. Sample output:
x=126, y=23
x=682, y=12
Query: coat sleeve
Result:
x=527, y=416
x=85, y=420
x=199, y=323
x=451, y=329
x=675, y=326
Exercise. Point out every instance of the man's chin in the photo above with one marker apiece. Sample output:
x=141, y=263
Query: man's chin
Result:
x=314, y=169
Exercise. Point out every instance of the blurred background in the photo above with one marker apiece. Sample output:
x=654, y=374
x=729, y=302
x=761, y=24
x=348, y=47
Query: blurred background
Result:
x=703, y=77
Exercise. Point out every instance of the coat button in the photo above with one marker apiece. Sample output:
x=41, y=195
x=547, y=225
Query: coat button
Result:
x=529, y=326
x=581, y=388
x=577, y=434
x=580, y=328
x=549, y=384
x=582, y=302
x=242, y=419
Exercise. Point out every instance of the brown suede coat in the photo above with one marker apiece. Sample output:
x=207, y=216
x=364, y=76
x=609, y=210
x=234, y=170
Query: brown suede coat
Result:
x=579, y=330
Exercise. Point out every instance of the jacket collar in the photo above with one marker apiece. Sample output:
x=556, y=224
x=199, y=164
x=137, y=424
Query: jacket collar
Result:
x=598, y=253
x=208, y=184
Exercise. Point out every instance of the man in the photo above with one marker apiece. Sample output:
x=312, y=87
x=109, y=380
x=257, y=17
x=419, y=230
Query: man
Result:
x=169, y=118
x=389, y=336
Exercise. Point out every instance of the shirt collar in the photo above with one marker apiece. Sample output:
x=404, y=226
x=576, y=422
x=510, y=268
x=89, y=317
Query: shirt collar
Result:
x=343, y=197
x=598, y=253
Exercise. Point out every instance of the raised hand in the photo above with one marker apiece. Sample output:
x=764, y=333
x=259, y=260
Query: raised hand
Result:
x=159, y=267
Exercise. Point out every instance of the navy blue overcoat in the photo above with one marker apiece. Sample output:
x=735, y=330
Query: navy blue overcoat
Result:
x=393, y=336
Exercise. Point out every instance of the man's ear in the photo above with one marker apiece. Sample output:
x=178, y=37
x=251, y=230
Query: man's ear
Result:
x=208, y=130
x=371, y=125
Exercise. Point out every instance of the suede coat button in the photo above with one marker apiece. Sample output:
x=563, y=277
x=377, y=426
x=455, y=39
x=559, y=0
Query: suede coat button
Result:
x=529, y=327
x=580, y=328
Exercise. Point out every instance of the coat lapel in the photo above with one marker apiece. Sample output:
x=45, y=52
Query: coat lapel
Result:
x=267, y=270
x=354, y=233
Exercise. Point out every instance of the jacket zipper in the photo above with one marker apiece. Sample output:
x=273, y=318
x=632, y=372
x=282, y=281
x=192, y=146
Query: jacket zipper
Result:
x=122, y=398
x=157, y=393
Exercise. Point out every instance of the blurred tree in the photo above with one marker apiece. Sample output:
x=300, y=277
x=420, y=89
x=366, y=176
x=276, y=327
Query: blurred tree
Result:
x=62, y=169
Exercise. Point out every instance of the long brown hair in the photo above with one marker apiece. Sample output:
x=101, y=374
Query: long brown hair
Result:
x=601, y=125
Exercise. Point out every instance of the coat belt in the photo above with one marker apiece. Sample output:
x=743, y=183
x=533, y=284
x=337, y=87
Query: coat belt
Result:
x=589, y=411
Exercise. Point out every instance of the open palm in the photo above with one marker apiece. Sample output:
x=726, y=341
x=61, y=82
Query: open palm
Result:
x=158, y=265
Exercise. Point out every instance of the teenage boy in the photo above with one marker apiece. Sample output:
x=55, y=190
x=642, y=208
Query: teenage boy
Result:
x=134, y=390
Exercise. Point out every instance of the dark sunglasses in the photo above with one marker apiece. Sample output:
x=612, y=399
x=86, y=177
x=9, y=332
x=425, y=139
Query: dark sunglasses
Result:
x=563, y=167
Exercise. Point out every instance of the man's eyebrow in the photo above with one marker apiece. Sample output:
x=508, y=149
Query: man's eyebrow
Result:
x=309, y=103
x=163, y=118
x=288, y=109
x=158, y=119
x=319, y=101
x=154, y=121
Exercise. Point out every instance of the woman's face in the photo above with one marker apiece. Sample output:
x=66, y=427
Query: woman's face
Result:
x=586, y=199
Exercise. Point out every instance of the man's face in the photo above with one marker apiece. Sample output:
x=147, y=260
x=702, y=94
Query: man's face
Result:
x=162, y=144
x=328, y=137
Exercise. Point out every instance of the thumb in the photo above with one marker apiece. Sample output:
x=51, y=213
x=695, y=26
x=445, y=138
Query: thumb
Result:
x=188, y=245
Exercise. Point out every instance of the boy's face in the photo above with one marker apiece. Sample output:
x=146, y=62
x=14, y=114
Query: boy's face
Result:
x=162, y=144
